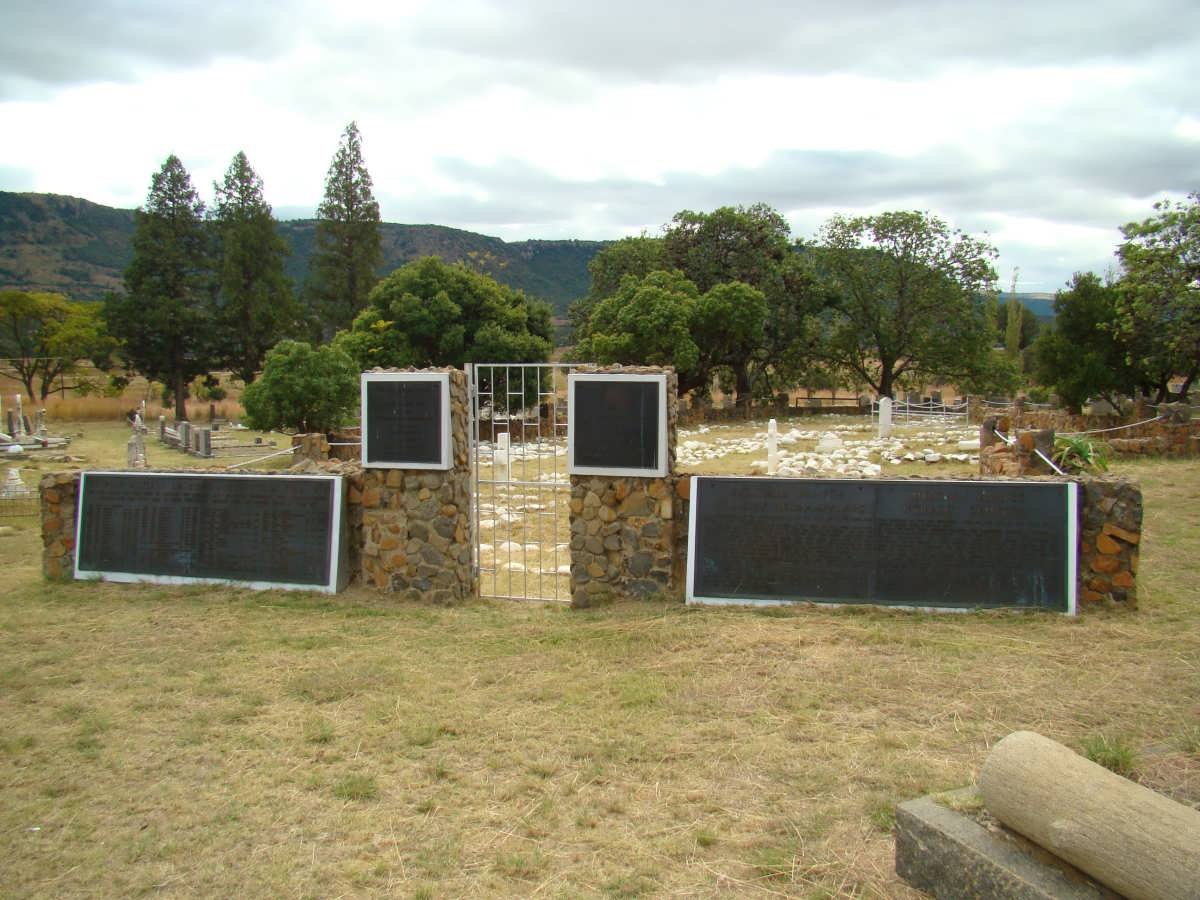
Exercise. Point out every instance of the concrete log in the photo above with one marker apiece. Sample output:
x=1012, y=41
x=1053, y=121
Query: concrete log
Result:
x=1137, y=842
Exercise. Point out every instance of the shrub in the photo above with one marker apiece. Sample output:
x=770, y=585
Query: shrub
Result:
x=1076, y=453
x=302, y=388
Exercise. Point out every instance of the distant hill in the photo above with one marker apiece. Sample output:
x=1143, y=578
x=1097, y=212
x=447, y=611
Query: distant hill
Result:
x=1040, y=304
x=51, y=242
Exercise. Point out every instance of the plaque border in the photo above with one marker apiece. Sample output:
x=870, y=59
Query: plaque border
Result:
x=1072, y=538
x=336, y=531
x=659, y=378
x=446, y=461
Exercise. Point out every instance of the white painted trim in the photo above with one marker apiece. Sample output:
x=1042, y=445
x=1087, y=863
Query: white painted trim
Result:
x=692, y=600
x=1072, y=548
x=690, y=570
x=335, y=558
x=659, y=471
x=443, y=378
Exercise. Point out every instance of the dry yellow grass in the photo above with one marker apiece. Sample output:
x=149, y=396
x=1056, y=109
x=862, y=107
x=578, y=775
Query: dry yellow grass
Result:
x=223, y=742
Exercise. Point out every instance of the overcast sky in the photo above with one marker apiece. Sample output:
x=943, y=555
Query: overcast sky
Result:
x=1046, y=124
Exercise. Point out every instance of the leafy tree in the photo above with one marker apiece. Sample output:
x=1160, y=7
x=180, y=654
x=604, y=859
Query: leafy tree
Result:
x=1159, y=306
x=303, y=388
x=45, y=335
x=430, y=313
x=1080, y=354
x=909, y=299
x=255, y=305
x=165, y=317
x=745, y=246
x=663, y=319
x=637, y=256
x=348, y=248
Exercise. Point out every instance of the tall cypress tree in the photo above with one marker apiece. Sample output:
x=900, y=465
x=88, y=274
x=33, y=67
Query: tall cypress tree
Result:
x=342, y=269
x=165, y=316
x=255, y=305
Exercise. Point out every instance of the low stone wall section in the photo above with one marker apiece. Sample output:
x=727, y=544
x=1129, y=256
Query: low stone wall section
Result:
x=1109, y=537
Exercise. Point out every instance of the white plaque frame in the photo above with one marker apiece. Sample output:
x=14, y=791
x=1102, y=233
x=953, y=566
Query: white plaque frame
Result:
x=447, y=457
x=659, y=378
x=691, y=599
x=336, y=557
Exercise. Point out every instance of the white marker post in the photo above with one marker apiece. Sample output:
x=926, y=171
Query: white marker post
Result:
x=500, y=467
x=772, y=447
x=885, y=417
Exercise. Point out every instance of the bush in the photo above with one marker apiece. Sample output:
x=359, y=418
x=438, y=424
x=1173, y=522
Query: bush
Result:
x=302, y=388
x=1076, y=453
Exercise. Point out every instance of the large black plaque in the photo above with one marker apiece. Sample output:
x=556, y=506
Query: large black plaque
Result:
x=940, y=544
x=616, y=426
x=404, y=423
x=285, y=530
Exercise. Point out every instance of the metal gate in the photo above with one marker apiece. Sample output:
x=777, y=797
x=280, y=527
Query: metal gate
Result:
x=520, y=489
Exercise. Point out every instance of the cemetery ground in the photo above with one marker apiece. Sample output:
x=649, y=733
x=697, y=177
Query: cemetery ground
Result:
x=219, y=741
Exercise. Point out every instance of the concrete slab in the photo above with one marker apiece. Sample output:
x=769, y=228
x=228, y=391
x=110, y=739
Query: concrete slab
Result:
x=950, y=855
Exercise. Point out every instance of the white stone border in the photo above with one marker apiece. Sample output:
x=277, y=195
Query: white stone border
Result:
x=337, y=512
x=447, y=456
x=659, y=471
x=693, y=600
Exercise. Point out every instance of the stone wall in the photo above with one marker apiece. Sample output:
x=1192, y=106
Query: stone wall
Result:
x=1163, y=431
x=998, y=457
x=415, y=523
x=1110, y=535
x=60, y=500
x=623, y=528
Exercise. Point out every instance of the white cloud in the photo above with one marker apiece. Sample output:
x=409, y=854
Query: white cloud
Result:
x=1049, y=124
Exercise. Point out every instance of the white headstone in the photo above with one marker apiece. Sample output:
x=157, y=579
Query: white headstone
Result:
x=13, y=486
x=885, y=417
x=135, y=451
x=500, y=458
x=829, y=442
x=772, y=447
x=20, y=418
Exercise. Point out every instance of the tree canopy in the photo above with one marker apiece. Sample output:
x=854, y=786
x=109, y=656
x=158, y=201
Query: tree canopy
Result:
x=43, y=336
x=255, y=304
x=1158, y=308
x=430, y=313
x=348, y=250
x=909, y=299
x=1079, y=355
x=165, y=317
x=302, y=388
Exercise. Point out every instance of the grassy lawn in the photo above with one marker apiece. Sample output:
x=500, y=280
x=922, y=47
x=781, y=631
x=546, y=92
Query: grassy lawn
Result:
x=231, y=743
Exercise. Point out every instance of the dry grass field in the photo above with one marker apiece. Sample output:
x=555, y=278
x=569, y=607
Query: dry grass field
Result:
x=223, y=742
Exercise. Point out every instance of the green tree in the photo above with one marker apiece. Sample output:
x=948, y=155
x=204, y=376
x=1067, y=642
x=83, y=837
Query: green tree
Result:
x=45, y=335
x=637, y=256
x=662, y=319
x=165, y=317
x=430, y=313
x=909, y=299
x=1081, y=354
x=348, y=248
x=303, y=388
x=1159, y=306
x=255, y=304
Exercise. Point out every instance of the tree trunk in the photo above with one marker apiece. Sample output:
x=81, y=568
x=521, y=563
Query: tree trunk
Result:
x=742, y=380
x=886, y=381
x=180, y=395
x=1135, y=841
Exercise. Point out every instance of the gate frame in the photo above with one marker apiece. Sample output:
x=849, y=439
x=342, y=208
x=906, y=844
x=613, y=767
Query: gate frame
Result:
x=560, y=487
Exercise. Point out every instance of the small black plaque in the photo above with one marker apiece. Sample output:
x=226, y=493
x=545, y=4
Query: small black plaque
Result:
x=405, y=420
x=257, y=530
x=617, y=425
x=938, y=544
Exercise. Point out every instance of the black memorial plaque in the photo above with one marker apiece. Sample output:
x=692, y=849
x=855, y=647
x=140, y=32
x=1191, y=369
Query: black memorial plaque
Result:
x=242, y=528
x=404, y=422
x=615, y=424
x=940, y=544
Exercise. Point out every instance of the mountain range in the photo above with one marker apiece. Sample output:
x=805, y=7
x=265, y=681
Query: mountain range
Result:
x=51, y=242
